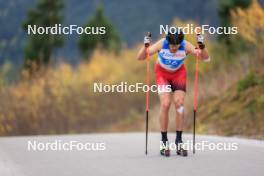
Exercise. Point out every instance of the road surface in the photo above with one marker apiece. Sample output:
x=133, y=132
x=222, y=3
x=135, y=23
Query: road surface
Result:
x=124, y=156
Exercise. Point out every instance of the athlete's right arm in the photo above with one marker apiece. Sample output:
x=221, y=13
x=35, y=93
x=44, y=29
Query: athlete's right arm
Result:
x=142, y=54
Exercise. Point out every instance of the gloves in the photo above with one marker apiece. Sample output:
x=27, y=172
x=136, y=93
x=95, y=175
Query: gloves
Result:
x=147, y=39
x=200, y=41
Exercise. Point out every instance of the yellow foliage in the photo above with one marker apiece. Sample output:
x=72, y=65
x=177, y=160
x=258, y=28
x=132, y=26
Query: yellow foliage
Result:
x=61, y=95
x=109, y=68
x=250, y=22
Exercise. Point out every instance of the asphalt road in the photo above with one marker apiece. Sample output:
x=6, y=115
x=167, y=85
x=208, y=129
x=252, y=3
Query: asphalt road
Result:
x=124, y=155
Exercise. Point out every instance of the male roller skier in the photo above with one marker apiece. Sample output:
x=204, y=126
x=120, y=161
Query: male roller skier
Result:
x=170, y=72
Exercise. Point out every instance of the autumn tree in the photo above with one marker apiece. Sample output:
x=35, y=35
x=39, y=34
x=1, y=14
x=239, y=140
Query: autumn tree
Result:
x=224, y=12
x=250, y=23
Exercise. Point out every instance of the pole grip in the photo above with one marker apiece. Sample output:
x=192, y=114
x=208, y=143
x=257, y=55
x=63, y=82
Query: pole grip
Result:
x=148, y=34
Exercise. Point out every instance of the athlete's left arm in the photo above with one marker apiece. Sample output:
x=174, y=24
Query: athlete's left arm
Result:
x=201, y=53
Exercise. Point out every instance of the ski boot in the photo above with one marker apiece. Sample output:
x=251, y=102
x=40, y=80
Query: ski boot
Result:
x=164, y=148
x=181, y=149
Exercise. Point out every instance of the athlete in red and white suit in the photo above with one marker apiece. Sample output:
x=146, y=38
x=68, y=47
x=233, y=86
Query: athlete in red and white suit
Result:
x=170, y=70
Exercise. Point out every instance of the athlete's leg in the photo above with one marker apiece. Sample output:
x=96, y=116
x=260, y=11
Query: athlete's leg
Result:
x=165, y=102
x=178, y=99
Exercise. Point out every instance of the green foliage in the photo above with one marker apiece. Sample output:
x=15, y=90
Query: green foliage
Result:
x=260, y=101
x=110, y=40
x=5, y=73
x=39, y=48
x=248, y=81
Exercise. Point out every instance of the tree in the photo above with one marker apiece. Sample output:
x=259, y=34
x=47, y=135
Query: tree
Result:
x=39, y=47
x=250, y=23
x=224, y=12
x=110, y=40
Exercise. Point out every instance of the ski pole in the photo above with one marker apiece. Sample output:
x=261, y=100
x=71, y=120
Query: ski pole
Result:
x=147, y=93
x=195, y=101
